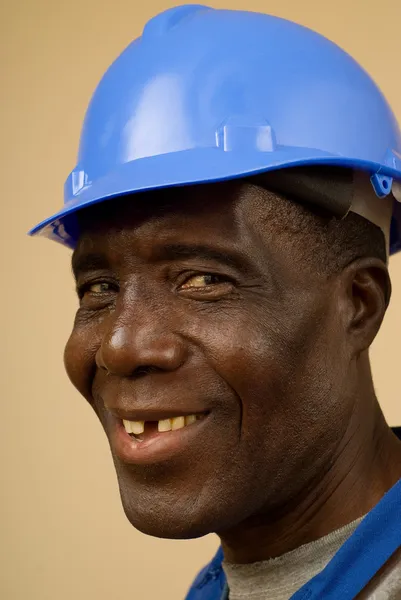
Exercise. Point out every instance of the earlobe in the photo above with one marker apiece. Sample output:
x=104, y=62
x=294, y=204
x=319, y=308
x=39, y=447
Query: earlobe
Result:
x=368, y=288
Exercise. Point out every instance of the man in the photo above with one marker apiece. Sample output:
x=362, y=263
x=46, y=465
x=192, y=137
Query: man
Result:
x=230, y=288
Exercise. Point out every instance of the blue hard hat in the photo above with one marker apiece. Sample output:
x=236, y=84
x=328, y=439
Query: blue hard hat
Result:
x=208, y=95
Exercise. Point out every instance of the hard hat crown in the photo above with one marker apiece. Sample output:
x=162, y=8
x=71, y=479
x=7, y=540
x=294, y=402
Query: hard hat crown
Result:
x=207, y=95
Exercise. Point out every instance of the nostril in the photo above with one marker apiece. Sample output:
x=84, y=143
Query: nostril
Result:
x=145, y=370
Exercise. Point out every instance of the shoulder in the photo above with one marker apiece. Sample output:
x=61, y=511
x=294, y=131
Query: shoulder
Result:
x=210, y=583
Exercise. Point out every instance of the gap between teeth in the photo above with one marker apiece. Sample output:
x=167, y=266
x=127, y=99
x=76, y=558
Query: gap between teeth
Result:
x=138, y=427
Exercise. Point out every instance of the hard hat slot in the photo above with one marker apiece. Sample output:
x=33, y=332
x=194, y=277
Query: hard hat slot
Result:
x=381, y=184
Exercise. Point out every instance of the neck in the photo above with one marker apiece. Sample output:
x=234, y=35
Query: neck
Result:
x=367, y=464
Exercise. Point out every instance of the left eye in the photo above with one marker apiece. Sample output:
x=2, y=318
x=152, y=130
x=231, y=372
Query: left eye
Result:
x=198, y=281
x=99, y=288
x=94, y=289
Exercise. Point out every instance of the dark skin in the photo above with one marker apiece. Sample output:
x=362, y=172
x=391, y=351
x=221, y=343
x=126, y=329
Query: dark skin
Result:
x=295, y=444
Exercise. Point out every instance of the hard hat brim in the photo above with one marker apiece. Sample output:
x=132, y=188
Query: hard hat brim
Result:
x=189, y=167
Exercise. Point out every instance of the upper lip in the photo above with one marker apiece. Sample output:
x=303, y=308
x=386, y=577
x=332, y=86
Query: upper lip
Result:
x=153, y=415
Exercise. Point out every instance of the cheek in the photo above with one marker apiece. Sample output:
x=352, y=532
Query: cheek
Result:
x=79, y=358
x=282, y=370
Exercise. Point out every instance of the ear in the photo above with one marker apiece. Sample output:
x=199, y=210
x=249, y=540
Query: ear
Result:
x=367, y=288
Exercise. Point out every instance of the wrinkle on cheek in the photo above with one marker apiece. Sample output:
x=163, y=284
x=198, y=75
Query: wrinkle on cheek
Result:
x=79, y=361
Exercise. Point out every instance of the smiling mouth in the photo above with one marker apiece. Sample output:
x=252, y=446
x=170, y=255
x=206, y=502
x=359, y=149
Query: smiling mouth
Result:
x=146, y=430
x=159, y=436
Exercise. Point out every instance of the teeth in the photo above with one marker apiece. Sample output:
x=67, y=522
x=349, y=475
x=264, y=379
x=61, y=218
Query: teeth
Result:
x=138, y=427
x=127, y=425
x=177, y=423
x=165, y=425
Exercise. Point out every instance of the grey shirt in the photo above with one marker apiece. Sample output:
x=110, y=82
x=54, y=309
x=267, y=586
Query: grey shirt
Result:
x=280, y=578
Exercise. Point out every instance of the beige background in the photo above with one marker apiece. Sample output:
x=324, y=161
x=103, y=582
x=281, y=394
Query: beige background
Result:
x=63, y=532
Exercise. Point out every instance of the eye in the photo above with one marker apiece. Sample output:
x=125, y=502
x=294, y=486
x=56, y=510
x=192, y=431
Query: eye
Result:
x=99, y=288
x=202, y=280
x=95, y=289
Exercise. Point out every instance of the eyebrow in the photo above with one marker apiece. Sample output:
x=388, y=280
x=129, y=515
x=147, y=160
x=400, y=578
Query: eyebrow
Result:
x=200, y=251
x=83, y=263
x=86, y=262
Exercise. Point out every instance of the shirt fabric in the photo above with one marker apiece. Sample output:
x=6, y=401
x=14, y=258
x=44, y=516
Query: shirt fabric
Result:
x=280, y=578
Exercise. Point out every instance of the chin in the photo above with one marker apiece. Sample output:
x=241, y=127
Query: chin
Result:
x=171, y=511
x=171, y=502
x=167, y=524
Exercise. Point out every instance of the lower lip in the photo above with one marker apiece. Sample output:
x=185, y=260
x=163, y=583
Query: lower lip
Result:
x=161, y=447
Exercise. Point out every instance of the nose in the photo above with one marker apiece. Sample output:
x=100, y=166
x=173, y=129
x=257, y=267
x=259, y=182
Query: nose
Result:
x=135, y=345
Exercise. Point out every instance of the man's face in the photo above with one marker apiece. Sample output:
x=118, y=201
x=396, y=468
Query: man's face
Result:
x=191, y=304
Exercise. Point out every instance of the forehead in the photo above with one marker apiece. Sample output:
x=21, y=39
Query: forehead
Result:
x=223, y=211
